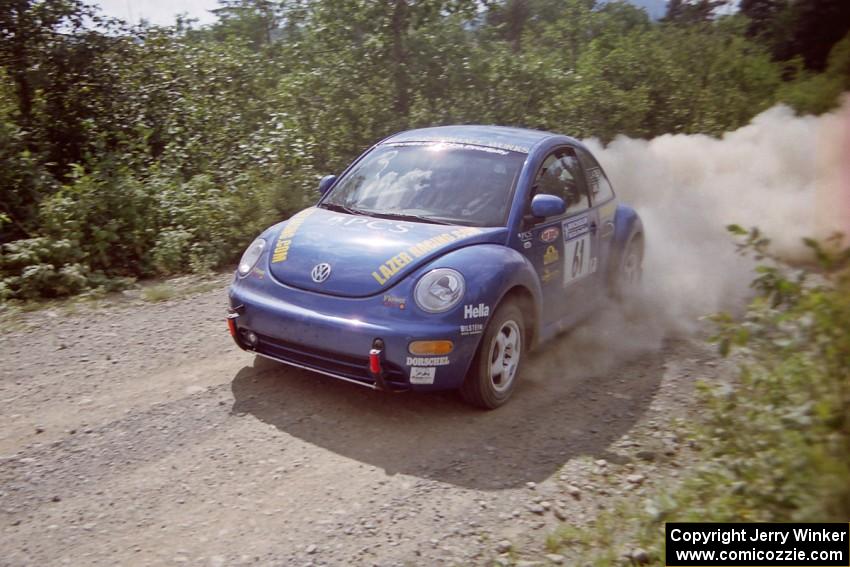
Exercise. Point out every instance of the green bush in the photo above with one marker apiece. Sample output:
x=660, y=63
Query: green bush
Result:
x=775, y=441
x=40, y=267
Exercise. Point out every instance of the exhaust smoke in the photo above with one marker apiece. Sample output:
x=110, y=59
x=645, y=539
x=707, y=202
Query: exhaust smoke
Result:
x=788, y=175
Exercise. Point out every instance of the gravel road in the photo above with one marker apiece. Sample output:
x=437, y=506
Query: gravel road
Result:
x=136, y=433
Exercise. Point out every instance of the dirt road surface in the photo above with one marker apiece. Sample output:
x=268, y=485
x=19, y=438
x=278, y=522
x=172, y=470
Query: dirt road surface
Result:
x=136, y=433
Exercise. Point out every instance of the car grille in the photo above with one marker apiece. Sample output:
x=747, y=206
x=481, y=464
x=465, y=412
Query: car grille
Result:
x=347, y=366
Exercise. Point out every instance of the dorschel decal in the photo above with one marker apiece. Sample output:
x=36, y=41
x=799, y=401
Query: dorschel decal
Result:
x=394, y=265
x=476, y=311
x=427, y=360
x=422, y=375
x=374, y=224
x=284, y=241
x=472, y=329
x=551, y=255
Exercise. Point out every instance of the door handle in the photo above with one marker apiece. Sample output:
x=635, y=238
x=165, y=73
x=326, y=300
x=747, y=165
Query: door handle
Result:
x=593, y=227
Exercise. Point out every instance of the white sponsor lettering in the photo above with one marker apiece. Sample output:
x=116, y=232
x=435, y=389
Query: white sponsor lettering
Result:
x=372, y=224
x=427, y=360
x=473, y=329
x=475, y=311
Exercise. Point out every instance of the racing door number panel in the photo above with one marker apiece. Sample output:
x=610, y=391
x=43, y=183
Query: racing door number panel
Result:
x=578, y=256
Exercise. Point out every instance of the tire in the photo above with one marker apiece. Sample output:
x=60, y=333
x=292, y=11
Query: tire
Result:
x=630, y=271
x=496, y=366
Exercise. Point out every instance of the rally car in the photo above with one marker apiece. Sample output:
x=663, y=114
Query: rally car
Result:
x=437, y=259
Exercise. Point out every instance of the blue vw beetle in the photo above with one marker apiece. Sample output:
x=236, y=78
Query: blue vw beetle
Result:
x=436, y=260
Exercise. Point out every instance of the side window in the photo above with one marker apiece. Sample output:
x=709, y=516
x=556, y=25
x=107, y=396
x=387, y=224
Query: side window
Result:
x=597, y=181
x=560, y=176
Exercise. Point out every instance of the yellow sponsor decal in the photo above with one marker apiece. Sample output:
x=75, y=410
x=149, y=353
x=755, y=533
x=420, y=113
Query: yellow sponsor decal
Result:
x=391, y=267
x=284, y=241
x=550, y=256
x=394, y=265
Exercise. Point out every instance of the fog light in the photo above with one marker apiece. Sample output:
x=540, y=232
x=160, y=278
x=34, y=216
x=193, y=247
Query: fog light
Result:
x=431, y=347
x=250, y=338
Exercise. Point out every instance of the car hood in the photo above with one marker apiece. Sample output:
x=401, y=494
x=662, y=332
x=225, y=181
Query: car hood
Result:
x=366, y=255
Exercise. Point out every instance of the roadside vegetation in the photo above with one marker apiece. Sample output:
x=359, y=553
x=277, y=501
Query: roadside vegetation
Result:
x=135, y=151
x=773, y=443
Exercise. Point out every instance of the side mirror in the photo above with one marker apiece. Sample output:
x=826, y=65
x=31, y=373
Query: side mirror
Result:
x=543, y=206
x=326, y=183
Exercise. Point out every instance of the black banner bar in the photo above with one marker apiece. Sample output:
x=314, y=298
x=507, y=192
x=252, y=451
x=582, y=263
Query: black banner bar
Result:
x=757, y=545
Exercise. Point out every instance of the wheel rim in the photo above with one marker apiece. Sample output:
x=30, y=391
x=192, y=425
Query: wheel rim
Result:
x=631, y=268
x=505, y=350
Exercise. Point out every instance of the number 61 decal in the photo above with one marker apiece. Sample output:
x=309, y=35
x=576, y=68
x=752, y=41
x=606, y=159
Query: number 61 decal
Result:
x=577, y=254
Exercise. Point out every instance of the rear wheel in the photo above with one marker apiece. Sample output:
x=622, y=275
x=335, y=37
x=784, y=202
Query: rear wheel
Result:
x=631, y=267
x=494, y=370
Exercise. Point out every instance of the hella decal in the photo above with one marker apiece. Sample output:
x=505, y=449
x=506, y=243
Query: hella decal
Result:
x=422, y=375
x=427, y=360
x=550, y=234
x=476, y=311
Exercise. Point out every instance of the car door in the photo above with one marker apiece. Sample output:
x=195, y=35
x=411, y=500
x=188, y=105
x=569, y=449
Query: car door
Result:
x=562, y=249
x=603, y=209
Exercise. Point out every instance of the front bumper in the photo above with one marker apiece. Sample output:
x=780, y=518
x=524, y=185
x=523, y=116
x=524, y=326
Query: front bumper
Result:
x=334, y=335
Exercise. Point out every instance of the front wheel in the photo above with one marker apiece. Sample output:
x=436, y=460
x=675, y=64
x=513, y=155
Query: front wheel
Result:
x=494, y=370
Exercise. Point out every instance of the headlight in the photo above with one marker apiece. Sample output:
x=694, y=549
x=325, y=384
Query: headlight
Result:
x=439, y=290
x=250, y=257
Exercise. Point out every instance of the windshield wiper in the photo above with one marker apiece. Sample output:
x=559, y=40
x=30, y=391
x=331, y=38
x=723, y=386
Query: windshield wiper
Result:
x=342, y=209
x=407, y=217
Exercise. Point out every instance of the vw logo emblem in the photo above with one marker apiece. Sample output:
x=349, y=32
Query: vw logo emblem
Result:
x=321, y=272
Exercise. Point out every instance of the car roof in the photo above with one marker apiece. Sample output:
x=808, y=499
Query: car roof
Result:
x=501, y=137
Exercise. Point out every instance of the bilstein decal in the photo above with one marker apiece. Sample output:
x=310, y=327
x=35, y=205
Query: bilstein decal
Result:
x=284, y=241
x=394, y=265
x=472, y=329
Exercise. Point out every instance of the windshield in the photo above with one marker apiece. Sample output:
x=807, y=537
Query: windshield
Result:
x=431, y=182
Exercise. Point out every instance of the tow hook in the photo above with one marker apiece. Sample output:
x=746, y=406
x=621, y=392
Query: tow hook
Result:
x=376, y=370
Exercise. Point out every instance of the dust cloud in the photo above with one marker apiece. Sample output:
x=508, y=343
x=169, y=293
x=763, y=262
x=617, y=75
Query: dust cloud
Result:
x=788, y=175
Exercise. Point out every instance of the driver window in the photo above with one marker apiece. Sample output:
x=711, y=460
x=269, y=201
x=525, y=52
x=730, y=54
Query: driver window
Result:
x=559, y=176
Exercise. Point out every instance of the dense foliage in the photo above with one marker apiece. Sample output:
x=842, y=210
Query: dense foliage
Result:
x=774, y=441
x=134, y=151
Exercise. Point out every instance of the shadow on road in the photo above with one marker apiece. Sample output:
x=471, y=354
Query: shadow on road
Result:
x=553, y=417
